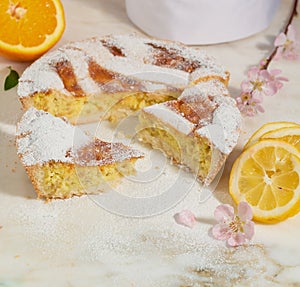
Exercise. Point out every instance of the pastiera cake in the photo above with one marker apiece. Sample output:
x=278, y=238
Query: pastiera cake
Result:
x=198, y=130
x=62, y=161
x=113, y=76
x=186, y=108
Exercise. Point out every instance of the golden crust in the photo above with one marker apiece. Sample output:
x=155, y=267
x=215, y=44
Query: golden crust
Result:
x=224, y=80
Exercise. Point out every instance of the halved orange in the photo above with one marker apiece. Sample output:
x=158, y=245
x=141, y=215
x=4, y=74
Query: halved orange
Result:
x=29, y=28
x=267, y=176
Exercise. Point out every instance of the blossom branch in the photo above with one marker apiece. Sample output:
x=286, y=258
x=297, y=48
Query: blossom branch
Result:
x=293, y=14
x=262, y=82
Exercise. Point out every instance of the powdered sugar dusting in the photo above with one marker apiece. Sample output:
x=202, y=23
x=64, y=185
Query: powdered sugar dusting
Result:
x=41, y=76
x=224, y=129
x=213, y=88
x=79, y=61
x=138, y=61
x=147, y=72
x=171, y=117
x=208, y=71
x=41, y=138
x=93, y=241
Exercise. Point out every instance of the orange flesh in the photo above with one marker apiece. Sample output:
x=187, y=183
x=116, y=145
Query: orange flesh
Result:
x=27, y=22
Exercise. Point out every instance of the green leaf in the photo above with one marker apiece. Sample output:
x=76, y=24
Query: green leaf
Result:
x=11, y=80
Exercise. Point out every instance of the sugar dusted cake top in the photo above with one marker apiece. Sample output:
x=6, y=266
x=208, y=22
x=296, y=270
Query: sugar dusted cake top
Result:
x=43, y=138
x=206, y=110
x=119, y=62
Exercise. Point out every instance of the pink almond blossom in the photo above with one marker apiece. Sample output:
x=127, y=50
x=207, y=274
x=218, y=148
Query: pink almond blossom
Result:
x=185, y=218
x=288, y=46
x=277, y=81
x=259, y=83
x=236, y=229
x=249, y=106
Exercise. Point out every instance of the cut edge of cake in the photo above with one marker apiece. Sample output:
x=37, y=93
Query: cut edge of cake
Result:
x=62, y=161
x=198, y=131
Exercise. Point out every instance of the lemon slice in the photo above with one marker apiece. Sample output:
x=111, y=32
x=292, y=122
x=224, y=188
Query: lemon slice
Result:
x=288, y=134
x=267, y=128
x=267, y=176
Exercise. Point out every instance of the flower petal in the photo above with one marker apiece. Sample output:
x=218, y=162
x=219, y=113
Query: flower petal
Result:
x=236, y=239
x=244, y=211
x=246, y=86
x=280, y=40
x=278, y=54
x=257, y=95
x=249, y=111
x=253, y=73
x=275, y=72
x=186, y=218
x=239, y=101
x=249, y=230
x=282, y=79
x=221, y=232
x=265, y=76
x=224, y=212
x=270, y=89
x=291, y=33
x=290, y=53
x=260, y=108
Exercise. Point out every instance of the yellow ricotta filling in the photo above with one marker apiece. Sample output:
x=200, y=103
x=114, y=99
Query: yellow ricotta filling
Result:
x=188, y=150
x=112, y=107
x=61, y=180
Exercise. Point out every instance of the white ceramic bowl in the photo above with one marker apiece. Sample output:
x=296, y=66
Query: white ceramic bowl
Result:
x=201, y=21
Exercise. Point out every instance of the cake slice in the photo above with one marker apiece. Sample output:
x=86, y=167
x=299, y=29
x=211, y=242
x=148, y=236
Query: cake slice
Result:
x=198, y=130
x=62, y=161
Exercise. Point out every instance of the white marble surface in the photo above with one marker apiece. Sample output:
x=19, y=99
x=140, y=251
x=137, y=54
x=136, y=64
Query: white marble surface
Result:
x=77, y=243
